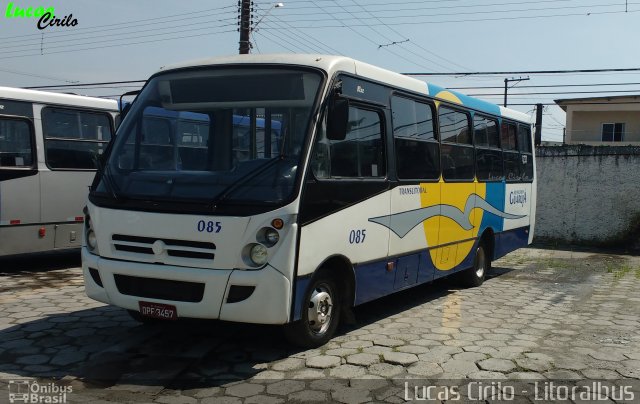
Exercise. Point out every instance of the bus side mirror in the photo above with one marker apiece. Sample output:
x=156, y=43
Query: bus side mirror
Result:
x=126, y=106
x=125, y=111
x=338, y=119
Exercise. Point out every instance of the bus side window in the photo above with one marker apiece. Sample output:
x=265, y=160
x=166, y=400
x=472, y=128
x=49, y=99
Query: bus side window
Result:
x=457, y=145
x=488, y=153
x=360, y=155
x=416, y=144
x=508, y=134
x=16, y=148
x=526, y=153
x=74, y=138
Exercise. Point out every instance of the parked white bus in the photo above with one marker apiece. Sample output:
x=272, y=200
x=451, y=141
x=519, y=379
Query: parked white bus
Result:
x=375, y=182
x=49, y=144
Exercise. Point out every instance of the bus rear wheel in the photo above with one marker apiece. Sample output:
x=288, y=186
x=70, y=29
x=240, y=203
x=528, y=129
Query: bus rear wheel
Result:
x=320, y=315
x=476, y=275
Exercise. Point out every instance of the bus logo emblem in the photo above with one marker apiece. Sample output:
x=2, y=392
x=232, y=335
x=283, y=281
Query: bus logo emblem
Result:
x=158, y=247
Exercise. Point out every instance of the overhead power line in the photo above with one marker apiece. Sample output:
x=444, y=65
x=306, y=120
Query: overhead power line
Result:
x=395, y=31
x=96, y=86
x=112, y=40
x=547, y=86
x=474, y=20
x=121, y=45
x=422, y=2
x=113, y=35
x=564, y=92
x=630, y=69
x=313, y=42
x=39, y=76
x=577, y=103
x=110, y=27
x=457, y=13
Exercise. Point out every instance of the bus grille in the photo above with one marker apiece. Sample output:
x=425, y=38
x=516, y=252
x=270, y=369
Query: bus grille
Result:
x=154, y=248
x=163, y=289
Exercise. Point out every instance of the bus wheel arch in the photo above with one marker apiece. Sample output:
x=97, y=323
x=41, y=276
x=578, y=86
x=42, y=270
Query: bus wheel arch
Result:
x=482, y=257
x=328, y=297
x=488, y=238
x=341, y=270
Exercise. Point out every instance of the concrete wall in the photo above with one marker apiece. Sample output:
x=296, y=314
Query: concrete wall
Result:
x=588, y=194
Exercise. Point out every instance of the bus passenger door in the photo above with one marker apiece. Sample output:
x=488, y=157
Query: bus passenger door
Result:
x=415, y=200
x=407, y=250
x=345, y=207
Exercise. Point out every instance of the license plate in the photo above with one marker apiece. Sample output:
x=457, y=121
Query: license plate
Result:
x=158, y=310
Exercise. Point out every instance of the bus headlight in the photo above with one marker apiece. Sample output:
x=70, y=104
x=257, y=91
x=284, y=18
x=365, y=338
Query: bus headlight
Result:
x=89, y=235
x=268, y=236
x=255, y=255
x=271, y=236
x=92, y=241
x=258, y=254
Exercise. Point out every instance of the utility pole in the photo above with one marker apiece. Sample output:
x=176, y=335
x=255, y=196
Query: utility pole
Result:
x=245, y=25
x=506, y=83
x=538, y=138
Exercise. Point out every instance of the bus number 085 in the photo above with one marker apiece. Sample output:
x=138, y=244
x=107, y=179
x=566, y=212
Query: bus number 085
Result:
x=209, y=227
x=357, y=236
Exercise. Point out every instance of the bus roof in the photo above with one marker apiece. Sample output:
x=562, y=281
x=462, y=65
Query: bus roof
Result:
x=21, y=94
x=333, y=64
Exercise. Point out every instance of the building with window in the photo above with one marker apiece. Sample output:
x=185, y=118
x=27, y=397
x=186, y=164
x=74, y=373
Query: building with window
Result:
x=602, y=120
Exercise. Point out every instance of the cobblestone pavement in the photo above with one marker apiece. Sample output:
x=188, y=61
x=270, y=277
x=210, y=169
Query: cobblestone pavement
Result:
x=543, y=315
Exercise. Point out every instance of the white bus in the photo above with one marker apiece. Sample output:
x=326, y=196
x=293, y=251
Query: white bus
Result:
x=49, y=145
x=376, y=182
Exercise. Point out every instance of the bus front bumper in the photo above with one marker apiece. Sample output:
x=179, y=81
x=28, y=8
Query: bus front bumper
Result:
x=125, y=284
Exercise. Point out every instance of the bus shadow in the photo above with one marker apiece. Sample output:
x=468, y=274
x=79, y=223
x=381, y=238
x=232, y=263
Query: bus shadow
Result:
x=39, y=271
x=39, y=262
x=102, y=348
x=407, y=299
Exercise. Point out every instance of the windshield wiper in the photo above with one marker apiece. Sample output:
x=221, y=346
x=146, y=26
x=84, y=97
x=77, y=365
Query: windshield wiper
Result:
x=222, y=195
x=105, y=175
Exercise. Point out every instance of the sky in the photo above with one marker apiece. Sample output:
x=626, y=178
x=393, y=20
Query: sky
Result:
x=120, y=40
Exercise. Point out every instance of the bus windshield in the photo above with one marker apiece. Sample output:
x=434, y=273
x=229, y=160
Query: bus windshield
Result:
x=214, y=135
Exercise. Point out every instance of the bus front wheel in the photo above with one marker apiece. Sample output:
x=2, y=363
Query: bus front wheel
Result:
x=320, y=315
x=475, y=275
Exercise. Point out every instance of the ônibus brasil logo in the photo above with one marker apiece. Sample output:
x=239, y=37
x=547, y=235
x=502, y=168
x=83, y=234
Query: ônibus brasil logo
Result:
x=32, y=391
x=46, y=16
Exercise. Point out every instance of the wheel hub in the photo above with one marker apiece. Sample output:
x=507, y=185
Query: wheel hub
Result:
x=480, y=263
x=320, y=309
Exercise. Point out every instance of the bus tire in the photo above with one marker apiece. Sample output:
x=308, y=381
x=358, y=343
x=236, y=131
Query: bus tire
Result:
x=476, y=275
x=320, y=315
